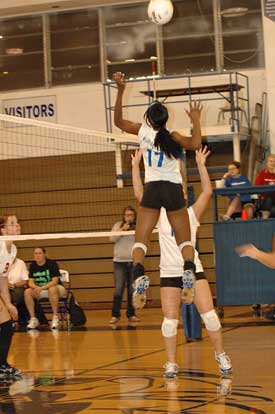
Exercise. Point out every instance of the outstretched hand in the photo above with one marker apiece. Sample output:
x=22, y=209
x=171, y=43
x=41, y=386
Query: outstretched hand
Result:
x=136, y=158
x=247, y=250
x=195, y=109
x=202, y=154
x=119, y=79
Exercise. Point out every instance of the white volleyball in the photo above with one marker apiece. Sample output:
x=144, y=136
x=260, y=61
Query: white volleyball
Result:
x=160, y=11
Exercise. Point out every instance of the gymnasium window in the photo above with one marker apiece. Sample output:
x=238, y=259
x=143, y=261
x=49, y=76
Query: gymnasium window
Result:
x=21, y=53
x=130, y=40
x=74, y=47
x=188, y=39
x=242, y=35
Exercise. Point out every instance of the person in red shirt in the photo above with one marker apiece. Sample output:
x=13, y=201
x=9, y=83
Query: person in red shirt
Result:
x=267, y=177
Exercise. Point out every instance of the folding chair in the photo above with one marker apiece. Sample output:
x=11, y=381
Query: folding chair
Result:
x=62, y=305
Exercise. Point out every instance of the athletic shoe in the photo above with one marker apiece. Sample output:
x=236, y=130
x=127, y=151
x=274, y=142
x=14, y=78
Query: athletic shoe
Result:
x=21, y=386
x=114, y=319
x=55, y=322
x=225, y=386
x=171, y=369
x=133, y=318
x=140, y=286
x=7, y=371
x=224, y=363
x=226, y=218
x=188, y=286
x=33, y=323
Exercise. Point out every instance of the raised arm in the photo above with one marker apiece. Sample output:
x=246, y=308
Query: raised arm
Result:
x=200, y=204
x=194, y=142
x=249, y=250
x=137, y=183
x=123, y=124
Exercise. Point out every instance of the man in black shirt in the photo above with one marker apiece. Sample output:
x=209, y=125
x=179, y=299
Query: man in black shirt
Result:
x=44, y=282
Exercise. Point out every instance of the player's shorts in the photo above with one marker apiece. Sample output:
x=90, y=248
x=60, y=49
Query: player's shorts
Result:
x=165, y=194
x=176, y=282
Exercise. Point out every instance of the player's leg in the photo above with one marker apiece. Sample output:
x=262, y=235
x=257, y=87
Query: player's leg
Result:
x=179, y=221
x=204, y=303
x=146, y=221
x=6, y=333
x=170, y=294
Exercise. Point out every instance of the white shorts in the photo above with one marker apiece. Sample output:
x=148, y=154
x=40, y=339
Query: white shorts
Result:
x=44, y=294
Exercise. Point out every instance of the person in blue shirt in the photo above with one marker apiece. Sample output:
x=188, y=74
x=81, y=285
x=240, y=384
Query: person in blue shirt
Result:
x=233, y=178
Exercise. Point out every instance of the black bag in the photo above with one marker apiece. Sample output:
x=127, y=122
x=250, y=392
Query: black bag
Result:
x=77, y=315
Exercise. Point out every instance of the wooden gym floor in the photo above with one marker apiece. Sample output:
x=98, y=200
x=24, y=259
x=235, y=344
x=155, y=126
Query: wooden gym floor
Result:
x=102, y=370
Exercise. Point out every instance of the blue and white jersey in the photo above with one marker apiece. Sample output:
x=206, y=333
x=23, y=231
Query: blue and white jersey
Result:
x=171, y=261
x=158, y=167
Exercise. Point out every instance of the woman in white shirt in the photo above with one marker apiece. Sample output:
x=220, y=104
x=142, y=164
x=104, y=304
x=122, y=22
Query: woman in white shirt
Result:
x=9, y=227
x=163, y=187
x=171, y=265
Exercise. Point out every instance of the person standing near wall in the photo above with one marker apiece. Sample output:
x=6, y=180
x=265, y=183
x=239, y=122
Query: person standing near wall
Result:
x=123, y=265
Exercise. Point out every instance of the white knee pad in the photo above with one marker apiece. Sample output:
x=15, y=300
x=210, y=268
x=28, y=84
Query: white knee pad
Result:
x=169, y=327
x=185, y=244
x=140, y=246
x=211, y=320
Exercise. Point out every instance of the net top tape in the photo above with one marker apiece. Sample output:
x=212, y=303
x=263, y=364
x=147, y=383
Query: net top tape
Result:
x=52, y=236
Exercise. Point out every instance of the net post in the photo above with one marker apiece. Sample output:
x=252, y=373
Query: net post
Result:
x=118, y=156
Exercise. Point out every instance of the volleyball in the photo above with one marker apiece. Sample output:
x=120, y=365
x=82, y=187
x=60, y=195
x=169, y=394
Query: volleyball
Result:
x=160, y=11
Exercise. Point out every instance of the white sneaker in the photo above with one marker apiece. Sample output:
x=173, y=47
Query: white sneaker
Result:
x=171, y=369
x=33, y=323
x=188, y=286
x=140, y=285
x=224, y=363
x=55, y=322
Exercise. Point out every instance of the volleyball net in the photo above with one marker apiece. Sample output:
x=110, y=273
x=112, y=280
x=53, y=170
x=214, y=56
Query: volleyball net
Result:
x=63, y=181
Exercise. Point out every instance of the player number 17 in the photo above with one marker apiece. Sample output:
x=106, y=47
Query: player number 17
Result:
x=154, y=154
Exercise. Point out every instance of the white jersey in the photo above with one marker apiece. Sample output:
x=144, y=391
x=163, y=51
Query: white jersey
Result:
x=18, y=272
x=6, y=258
x=158, y=167
x=171, y=261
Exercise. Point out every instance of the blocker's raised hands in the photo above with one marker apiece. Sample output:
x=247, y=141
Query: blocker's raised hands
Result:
x=119, y=79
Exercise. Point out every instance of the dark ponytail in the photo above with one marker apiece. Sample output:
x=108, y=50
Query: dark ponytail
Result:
x=156, y=116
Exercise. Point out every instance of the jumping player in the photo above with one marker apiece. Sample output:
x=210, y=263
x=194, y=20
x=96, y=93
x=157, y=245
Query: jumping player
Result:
x=163, y=187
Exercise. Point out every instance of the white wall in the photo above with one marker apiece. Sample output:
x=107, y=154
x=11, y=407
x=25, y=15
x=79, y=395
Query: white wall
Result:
x=83, y=105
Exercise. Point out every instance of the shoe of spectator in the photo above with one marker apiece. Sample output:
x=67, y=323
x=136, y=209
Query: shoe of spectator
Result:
x=113, y=320
x=226, y=218
x=171, y=369
x=133, y=319
x=189, y=339
x=188, y=283
x=7, y=371
x=55, y=322
x=140, y=285
x=33, y=323
x=224, y=363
